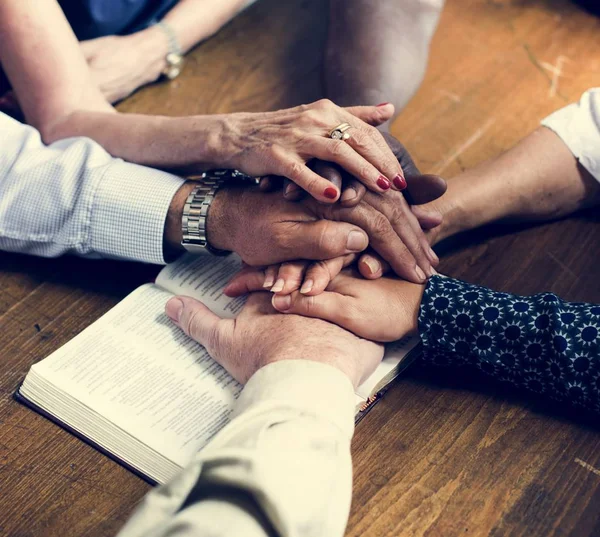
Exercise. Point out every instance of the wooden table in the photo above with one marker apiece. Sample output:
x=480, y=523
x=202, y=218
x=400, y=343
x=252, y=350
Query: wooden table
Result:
x=439, y=456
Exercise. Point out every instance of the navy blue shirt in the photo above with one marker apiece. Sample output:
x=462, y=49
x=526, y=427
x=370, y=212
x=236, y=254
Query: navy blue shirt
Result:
x=540, y=343
x=97, y=18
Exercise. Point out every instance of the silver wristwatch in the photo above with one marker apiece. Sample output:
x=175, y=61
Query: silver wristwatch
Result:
x=174, y=57
x=197, y=205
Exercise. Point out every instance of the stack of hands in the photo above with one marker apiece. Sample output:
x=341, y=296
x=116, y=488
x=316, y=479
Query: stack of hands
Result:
x=343, y=277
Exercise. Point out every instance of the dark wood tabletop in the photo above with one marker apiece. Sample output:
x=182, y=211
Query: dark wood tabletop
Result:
x=443, y=454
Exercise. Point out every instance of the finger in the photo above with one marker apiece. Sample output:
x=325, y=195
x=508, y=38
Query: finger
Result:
x=270, y=274
x=291, y=191
x=318, y=187
x=341, y=153
x=289, y=277
x=328, y=306
x=320, y=274
x=428, y=217
x=194, y=318
x=412, y=235
x=424, y=188
x=244, y=282
x=326, y=239
x=385, y=239
x=353, y=192
x=330, y=171
x=268, y=183
x=371, y=266
x=368, y=142
x=373, y=115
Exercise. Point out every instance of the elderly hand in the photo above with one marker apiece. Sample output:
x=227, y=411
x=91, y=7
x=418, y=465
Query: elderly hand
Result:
x=281, y=143
x=247, y=343
x=121, y=64
x=264, y=228
x=380, y=310
x=313, y=278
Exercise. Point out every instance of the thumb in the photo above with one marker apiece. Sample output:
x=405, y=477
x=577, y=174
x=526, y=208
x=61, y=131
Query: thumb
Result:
x=424, y=188
x=195, y=319
x=373, y=115
x=325, y=239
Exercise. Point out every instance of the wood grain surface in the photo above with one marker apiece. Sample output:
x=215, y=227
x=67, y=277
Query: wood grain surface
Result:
x=443, y=454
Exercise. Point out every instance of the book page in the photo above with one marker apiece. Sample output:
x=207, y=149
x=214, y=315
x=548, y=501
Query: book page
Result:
x=203, y=278
x=140, y=371
x=395, y=354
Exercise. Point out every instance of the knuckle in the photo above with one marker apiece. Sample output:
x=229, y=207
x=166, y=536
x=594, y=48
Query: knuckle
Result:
x=324, y=104
x=360, y=139
x=326, y=241
x=337, y=148
x=380, y=225
x=311, y=117
x=293, y=169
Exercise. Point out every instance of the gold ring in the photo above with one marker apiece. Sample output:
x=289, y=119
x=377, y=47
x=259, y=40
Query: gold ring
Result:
x=339, y=133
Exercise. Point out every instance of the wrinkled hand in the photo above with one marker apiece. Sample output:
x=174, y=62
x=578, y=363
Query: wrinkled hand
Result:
x=245, y=344
x=313, y=278
x=281, y=143
x=264, y=228
x=383, y=310
x=122, y=64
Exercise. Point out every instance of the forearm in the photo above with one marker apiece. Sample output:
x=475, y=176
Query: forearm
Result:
x=73, y=198
x=195, y=20
x=180, y=144
x=540, y=343
x=283, y=463
x=538, y=179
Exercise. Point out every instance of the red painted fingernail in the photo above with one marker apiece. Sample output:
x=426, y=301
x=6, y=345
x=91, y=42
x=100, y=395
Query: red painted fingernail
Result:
x=331, y=192
x=383, y=104
x=383, y=183
x=400, y=182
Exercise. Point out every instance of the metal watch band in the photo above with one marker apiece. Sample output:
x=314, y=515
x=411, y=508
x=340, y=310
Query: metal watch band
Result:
x=174, y=57
x=197, y=205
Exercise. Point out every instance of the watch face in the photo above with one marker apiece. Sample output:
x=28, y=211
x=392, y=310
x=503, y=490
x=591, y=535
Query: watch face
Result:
x=174, y=65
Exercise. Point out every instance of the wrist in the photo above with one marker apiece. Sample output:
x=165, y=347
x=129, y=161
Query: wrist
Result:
x=173, y=236
x=153, y=46
x=219, y=225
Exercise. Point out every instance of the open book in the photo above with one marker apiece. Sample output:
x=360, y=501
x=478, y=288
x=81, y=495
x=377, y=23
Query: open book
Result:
x=136, y=387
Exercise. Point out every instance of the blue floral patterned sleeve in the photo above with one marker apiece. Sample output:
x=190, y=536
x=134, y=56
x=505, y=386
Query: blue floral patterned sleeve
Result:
x=540, y=343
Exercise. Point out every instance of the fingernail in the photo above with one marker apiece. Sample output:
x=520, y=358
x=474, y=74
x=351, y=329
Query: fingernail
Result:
x=269, y=281
x=330, y=193
x=382, y=104
x=373, y=264
x=434, y=256
x=173, y=309
x=290, y=188
x=348, y=194
x=278, y=286
x=281, y=302
x=435, y=272
x=383, y=183
x=357, y=241
x=420, y=273
x=306, y=287
x=400, y=182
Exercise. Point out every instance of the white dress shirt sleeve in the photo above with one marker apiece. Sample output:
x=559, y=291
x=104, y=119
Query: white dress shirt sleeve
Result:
x=73, y=197
x=281, y=467
x=578, y=125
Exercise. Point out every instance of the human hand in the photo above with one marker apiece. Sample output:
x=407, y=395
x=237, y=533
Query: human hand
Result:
x=383, y=310
x=245, y=344
x=121, y=64
x=264, y=229
x=281, y=143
